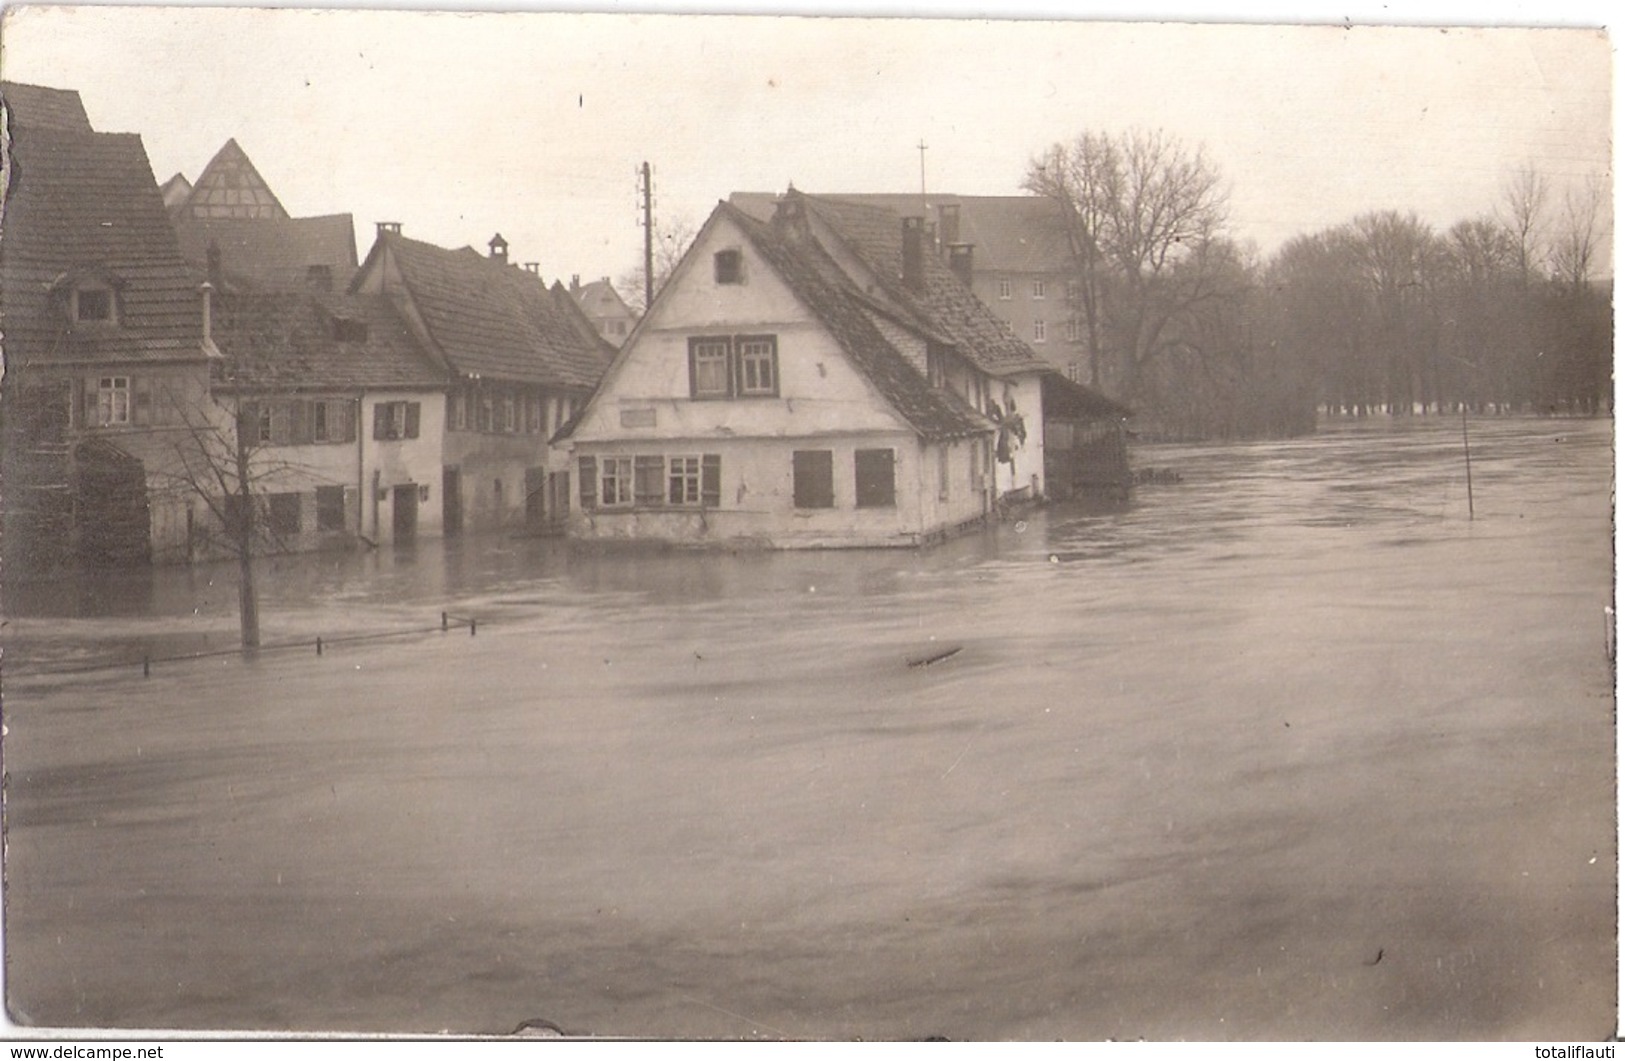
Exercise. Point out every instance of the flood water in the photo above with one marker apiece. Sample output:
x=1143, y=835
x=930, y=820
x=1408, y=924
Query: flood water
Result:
x=1290, y=748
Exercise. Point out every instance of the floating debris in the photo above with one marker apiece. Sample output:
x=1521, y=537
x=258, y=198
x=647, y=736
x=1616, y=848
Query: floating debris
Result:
x=926, y=661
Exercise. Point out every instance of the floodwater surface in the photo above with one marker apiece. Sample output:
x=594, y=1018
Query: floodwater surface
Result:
x=1290, y=748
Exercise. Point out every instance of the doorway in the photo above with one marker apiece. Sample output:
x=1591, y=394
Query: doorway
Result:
x=405, y=513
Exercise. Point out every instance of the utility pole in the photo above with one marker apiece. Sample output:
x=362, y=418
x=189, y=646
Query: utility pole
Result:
x=921, y=147
x=648, y=238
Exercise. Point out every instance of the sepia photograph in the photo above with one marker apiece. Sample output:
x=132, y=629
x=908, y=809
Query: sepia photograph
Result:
x=683, y=526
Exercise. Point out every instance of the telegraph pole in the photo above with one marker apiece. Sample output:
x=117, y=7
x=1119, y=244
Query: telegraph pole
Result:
x=921, y=147
x=648, y=238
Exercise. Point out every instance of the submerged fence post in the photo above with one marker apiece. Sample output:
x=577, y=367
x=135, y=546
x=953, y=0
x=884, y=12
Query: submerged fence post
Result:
x=443, y=622
x=146, y=666
x=472, y=629
x=318, y=646
x=1467, y=454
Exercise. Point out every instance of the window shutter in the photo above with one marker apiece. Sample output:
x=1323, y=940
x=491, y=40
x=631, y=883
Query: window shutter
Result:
x=711, y=480
x=299, y=422
x=248, y=422
x=348, y=412
x=589, y=482
x=91, y=414
x=141, y=402
x=380, y=420
x=414, y=412
x=647, y=479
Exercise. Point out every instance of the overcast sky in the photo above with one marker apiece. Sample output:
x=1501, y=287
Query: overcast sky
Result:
x=461, y=125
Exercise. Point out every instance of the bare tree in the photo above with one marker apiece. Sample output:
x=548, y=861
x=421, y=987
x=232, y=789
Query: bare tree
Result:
x=1137, y=206
x=671, y=243
x=1579, y=233
x=1522, y=212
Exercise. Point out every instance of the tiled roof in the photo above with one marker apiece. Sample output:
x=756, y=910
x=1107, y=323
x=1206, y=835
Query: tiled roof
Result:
x=1010, y=233
x=818, y=281
x=494, y=319
x=86, y=204
x=943, y=305
x=600, y=298
x=273, y=253
x=291, y=341
x=44, y=108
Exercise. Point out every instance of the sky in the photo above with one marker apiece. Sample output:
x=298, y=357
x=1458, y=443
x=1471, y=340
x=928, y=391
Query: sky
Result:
x=460, y=125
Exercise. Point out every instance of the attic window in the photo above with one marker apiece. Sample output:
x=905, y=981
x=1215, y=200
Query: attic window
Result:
x=729, y=266
x=92, y=305
x=349, y=330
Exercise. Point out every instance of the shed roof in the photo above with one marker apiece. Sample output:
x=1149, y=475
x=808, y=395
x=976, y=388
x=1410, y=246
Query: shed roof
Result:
x=85, y=205
x=493, y=319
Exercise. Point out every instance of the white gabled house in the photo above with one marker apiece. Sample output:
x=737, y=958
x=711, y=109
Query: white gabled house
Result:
x=808, y=381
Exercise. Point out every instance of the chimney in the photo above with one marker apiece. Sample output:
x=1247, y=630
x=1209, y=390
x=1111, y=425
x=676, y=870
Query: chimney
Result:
x=533, y=268
x=790, y=214
x=206, y=291
x=319, y=277
x=389, y=226
x=499, y=248
x=213, y=259
x=914, y=253
x=948, y=223
x=575, y=283
x=960, y=261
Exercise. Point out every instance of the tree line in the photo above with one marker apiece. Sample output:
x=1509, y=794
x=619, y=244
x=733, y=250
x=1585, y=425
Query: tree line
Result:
x=1381, y=314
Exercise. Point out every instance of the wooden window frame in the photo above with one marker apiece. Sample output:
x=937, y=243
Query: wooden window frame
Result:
x=738, y=358
x=683, y=481
x=615, y=482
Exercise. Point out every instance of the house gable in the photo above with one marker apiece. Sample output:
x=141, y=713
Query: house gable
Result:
x=724, y=294
x=230, y=187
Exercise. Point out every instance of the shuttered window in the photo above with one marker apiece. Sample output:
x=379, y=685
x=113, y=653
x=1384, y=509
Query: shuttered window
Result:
x=647, y=473
x=814, y=473
x=876, y=478
x=588, y=476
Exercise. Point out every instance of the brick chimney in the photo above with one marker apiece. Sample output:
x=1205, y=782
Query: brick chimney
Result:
x=961, y=261
x=914, y=253
x=948, y=223
x=389, y=226
x=499, y=248
x=575, y=283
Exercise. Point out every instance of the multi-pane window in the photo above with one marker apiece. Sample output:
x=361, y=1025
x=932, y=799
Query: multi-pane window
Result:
x=757, y=364
x=509, y=415
x=615, y=481
x=684, y=481
x=1074, y=330
x=708, y=367
x=1040, y=331
x=876, y=478
x=533, y=415
x=112, y=400
x=1039, y=289
x=814, y=474
x=733, y=366
x=1004, y=289
x=1074, y=291
x=651, y=481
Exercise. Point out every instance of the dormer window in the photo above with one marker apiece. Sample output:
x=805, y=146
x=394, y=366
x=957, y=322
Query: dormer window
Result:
x=729, y=267
x=93, y=305
x=349, y=330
